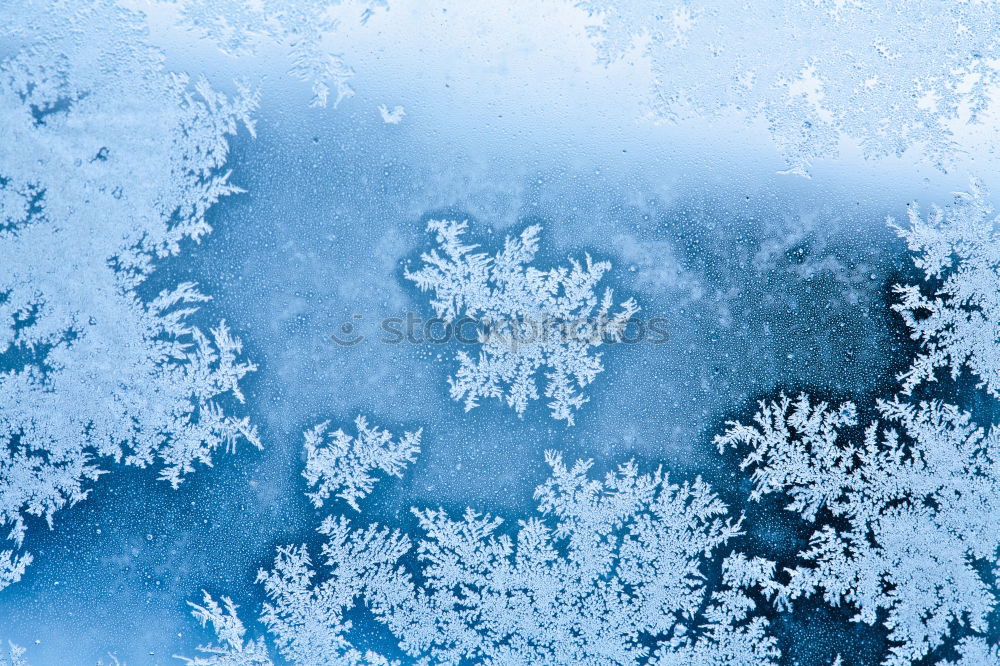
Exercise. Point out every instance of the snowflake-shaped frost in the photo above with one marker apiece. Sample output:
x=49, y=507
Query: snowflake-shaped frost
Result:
x=341, y=465
x=524, y=319
x=958, y=323
x=908, y=516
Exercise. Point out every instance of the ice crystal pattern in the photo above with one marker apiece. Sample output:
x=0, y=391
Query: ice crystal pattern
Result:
x=240, y=28
x=109, y=162
x=13, y=655
x=12, y=566
x=890, y=75
x=975, y=652
x=610, y=572
x=956, y=315
x=232, y=649
x=341, y=465
x=914, y=501
x=306, y=616
x=525, y=319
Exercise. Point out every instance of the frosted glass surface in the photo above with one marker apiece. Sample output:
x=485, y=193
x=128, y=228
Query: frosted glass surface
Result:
x=561, y=332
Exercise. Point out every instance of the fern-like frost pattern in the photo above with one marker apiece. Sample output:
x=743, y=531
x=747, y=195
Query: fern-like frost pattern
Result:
x=526, y=319
x=955, y=316
x=918, y=494
x=610, y=572
x=340, y=465
x=239, y=28
x=108, y=163
x=232, y=648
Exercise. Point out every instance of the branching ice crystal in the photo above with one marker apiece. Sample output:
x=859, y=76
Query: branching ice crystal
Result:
x=237, y=27
x=13, y=656
x=12, y=567
x=232, y=649
x=307, y=617
x=610, y=572
x=975, y=652
x=907, y=514
x=341, y=465
x=107, y=163
x=525, y=319
x=958, y=322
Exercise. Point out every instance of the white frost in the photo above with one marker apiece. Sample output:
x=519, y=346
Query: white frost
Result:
x=341, y=465
x=609, y=572
x=890, y=75
x=232, y=649
x=107, y=163
x=525, y=319
x=907, y=511
x=957, y=320
x=393, y=117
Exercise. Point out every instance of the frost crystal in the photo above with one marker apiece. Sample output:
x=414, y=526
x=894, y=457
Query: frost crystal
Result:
x=729, y=637
x=238, y=28
x=12, y=567
x=975, y=651
x=908, y=517
x=524, y=319
x=232, y=650
x=341, y=465
x=307, y=618
x=107, y=162
x=958, y=325
x=890, y=75
x=610, y=573
x=393, y=117
x=14, y=656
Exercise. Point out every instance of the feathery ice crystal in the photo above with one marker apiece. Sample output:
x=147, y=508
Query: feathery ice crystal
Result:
x=341, y=465
x=906, y=516
x=107, y=163
x=526, y=319
x=958, y=323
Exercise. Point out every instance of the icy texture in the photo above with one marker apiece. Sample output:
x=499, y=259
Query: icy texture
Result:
x=956, y=317
x=13, y=656
x=729, y=637
x=907, y=514
x=611, y=572
x=232, y=649
x=975, y=652
x=890, y=75
x=238, y=28
x=307, y=617
x=525, y=318
x=108, y=163
x=12, y=567
x=393, y=117
x=340, y=465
